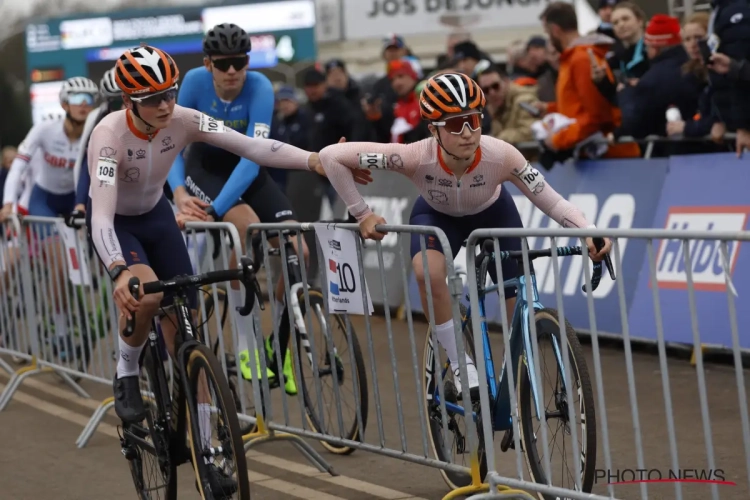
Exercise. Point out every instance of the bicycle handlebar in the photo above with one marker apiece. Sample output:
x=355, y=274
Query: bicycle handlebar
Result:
x=488, y=248
x=245, y=274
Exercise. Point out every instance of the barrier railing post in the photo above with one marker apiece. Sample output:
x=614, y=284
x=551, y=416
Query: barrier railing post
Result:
x=265, y=433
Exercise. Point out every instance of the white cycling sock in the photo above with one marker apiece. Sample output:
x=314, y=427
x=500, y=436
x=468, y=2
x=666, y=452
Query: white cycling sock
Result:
x=447, y=338
x=204, y=423
x=127, y=362
x=61, y=324
x=244, y=323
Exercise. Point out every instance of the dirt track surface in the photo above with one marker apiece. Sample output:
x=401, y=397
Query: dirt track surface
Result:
x=39, y=428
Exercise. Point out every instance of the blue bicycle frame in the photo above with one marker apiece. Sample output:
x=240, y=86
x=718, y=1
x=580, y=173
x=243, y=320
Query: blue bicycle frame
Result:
x=499, y=390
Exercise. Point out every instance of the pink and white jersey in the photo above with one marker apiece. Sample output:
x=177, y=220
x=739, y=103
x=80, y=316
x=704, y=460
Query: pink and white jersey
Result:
x=496, y=161
x=57, y=155
x=128, y=168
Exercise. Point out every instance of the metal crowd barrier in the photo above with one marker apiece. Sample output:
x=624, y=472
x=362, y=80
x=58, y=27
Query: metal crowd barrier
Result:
x=64, y=324
x=654, y=459
x=395, y=382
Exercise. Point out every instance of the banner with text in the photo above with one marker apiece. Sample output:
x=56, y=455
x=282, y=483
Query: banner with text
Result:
x=703, y=193
x=377, y=18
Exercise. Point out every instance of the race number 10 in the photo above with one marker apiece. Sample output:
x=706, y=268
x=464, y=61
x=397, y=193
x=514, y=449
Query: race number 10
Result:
x=347, y=283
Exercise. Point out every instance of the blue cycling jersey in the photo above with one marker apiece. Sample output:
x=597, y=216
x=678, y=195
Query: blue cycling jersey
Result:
x=249, y=113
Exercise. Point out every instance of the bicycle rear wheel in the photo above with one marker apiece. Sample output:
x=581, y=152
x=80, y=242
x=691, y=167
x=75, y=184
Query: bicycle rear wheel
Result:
x=579, y=395
x=214, y=431
x=456, y=449
x=351, y=378
x=146, y=445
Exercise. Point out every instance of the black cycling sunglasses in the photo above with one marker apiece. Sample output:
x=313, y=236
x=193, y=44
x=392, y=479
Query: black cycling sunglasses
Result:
x=238, y=63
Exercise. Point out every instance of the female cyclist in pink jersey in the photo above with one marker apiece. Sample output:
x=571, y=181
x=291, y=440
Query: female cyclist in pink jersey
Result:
x=459, y=174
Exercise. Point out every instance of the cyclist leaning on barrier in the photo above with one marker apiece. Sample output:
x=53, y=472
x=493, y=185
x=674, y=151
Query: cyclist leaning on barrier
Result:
x=112, y=101
x=214, y=184
x=459, y=174
x=130, y=221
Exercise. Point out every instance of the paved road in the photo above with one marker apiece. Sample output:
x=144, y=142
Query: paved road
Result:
x=39, y=428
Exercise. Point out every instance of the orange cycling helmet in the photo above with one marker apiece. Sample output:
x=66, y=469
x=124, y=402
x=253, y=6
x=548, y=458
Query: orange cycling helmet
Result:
x=450, y=93
x=145, y=70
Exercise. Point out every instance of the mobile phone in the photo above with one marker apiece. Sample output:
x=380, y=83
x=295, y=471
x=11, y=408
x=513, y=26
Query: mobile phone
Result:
x=705, y=51
x=530, y=109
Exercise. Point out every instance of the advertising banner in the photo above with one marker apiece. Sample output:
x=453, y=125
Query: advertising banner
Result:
x=706, y=193
x=612, y=194
x=377, y=18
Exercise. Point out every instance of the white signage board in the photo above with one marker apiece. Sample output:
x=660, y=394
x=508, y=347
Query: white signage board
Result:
x=378, y=18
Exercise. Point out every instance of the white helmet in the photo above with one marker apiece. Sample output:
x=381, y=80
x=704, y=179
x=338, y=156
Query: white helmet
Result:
x=78, y=85
x=108, y=86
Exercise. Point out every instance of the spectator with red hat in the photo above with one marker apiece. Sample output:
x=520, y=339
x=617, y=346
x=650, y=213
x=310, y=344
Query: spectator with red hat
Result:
x=407, y=126
x=665, y=85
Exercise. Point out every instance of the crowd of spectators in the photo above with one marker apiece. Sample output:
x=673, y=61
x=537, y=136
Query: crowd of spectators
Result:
x=621, y=81
x=589, y=93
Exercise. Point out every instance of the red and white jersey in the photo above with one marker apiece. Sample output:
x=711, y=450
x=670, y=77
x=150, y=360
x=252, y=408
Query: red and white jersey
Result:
x=57, y=155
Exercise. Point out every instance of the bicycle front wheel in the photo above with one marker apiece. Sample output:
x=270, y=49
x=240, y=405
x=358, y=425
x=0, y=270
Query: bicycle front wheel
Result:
x=451, y=443
x=556, y=400
x=214, y=432
x=338, y=396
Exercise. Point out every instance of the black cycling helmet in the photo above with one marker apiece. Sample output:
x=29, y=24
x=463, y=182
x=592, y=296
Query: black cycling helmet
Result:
x=226, y=39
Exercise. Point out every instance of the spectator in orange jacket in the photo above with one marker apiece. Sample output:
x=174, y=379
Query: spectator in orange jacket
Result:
x=577, y=95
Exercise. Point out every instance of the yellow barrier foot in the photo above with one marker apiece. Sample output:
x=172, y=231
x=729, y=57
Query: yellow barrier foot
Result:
x=94, y=422
x=467, y=490
x=264, y=435
x=693, y=357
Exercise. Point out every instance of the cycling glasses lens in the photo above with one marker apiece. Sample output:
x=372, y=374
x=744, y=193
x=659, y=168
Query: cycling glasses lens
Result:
x=77, y=99
x=456, y=124
x=154, y=100
x=238, y=63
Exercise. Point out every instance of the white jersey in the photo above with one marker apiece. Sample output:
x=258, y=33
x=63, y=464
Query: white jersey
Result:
x=88, y=127
x=57, y=154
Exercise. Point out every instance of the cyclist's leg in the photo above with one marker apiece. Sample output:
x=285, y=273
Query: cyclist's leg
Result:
x=241, y=216
x=424, y=215
x=166, y=250
x=45, y=204
x=126, y=385
x=272, y=206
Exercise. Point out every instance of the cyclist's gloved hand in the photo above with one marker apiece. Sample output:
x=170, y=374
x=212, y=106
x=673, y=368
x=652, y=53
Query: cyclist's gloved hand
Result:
x=75, y=219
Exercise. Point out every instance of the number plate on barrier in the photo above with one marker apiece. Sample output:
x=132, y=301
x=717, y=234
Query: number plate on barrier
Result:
x=344, y=283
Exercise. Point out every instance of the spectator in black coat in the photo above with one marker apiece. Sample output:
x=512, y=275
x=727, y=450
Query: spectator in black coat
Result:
x=605, y=14
x=378, y=104
x=291, y=124
x=332, y=116
x=695, y=30
x=644, y=106
x=628, y=59
x=730, y=35
x=7, y=154
x=339, y=80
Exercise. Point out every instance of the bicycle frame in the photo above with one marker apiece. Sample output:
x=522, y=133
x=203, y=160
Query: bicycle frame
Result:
x=522, y=345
